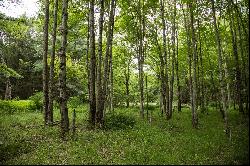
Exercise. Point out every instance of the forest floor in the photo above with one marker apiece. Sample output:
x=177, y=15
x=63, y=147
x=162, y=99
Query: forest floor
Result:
x=126, y=139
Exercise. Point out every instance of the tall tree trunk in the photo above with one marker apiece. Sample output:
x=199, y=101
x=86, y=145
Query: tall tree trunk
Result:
x=194, y=81
x=146, y=80
x=243, y=51
x=202, y=96
x=188, y=38
x=62, y=73
x=52, y=62
x=107, y=61
x=228, y=85
x=87, y=54
x=141, y=58
x=165, y=87
x=111, y=91
x=173, y=63
x=177, y=75
x=99, y=67
x=111, y=83
x=237, y=65
x=45, y=62
x=92, y=67
x=220, y=64
x=127, y=79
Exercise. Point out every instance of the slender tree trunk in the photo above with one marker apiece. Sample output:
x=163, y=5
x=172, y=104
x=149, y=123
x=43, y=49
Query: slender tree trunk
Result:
x=52, y=62
x=188, y=39
x=243, y=59
x=228, y=85
x=87, y=56
x=108, y=57
x=99, y=69
x=173, y=64
x=111, y=62
x=62, y=73
x=194, y=81
x=127, y=79
x=165, y=87
x=141, y=58
x=202, y=96
x=177, y=75
x=237, y=65
x=220, y=64
x=111, y=84
x=92, y=67
x=146, y=80
x=45, y=63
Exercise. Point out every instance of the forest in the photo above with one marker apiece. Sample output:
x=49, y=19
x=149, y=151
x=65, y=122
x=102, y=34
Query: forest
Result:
x=125, y=82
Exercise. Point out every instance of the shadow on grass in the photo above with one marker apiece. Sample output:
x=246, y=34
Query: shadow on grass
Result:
x=16, y=149
x=116, y=121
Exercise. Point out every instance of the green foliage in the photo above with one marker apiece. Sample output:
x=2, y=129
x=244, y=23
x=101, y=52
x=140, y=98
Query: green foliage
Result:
x=37, y=98
x=8, y=72
x=120, y=121
x=75, y=101
x=15, y=106
x=25, y=141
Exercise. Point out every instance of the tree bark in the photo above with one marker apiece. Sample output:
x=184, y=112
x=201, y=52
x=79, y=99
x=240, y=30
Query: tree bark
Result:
x=45, y=63
x=107, y=64
x=92, y=67
x=164, y=64
x=177, y=75
x=52, y=62
x=220, y=64
x=141, y=59
x=237, y=64
x=62, y=73
x=202, y=96
x=127, y=79
x=189, y=44
x=173, y=63
x=146, y=80
x=194, y=80
x=99, y=69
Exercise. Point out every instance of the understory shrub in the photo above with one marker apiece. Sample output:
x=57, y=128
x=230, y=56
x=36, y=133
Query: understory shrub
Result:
x=13, y=106
x=119, y=121
x=37, y=98
x=75, y=101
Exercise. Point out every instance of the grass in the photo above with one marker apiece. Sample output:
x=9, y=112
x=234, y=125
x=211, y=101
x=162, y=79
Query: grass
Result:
x=24, y=139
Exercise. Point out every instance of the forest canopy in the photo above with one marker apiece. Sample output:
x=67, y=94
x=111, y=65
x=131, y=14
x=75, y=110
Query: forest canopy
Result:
x=160, y=57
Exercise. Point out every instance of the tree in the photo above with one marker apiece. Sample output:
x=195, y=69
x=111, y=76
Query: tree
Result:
x=62, y=74
x=52, y=62
x=164, y=62
x=45, y=63
x=107, y=62
x=220, y=63
x=194, y=80
x=92, y=66
x=141, y=56
x=99, y=90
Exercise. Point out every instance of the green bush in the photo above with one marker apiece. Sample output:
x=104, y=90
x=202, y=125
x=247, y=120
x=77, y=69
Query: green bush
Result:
x=75, y=101
x=115, y=121
x=12, y=106
x=37, y=98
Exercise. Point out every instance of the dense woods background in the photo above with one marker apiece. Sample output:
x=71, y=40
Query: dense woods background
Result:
x=162, y=63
